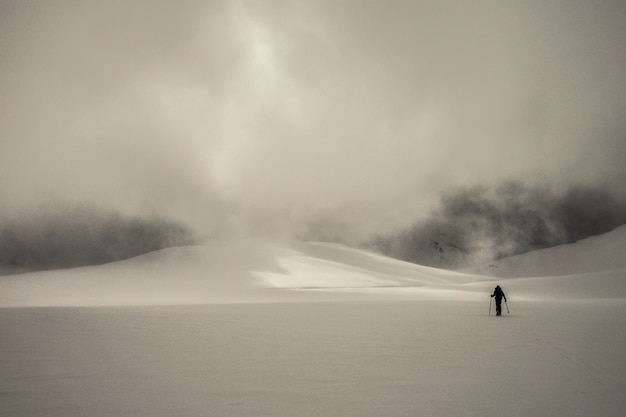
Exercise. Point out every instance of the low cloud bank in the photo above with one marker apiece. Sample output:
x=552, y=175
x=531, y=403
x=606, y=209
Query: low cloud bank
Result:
x=65, y=237
x=470, y=225
x=478, y=224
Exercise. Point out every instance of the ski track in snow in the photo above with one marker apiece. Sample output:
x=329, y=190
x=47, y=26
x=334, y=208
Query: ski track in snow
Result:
x=592, y=368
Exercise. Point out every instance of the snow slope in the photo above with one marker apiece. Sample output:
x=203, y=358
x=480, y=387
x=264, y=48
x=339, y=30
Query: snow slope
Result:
x=597, y=253
x=246, y=270
x=383, y=337
x=182, y=275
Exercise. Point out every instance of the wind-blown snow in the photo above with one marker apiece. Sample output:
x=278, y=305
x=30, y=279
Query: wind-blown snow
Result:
x=316, y=329
x=246, y=271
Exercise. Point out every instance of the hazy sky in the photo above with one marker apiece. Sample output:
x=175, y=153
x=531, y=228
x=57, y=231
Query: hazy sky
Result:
x=272, y=114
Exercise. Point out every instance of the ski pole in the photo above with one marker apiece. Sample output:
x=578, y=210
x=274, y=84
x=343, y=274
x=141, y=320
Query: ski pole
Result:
x=507, y=307
x=490, y=305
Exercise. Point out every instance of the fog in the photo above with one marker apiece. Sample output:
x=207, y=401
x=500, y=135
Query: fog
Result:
x=474, y=225
x=54, y=237
x=304, y=118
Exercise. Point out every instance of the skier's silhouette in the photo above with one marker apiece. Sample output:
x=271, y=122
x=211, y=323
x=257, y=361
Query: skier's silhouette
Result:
x=499, y=295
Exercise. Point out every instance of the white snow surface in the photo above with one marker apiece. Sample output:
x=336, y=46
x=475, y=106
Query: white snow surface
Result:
x=257, y=328
x=247, y=270
x=597, y=253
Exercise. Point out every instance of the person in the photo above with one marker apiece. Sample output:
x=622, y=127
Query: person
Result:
x=499, y=295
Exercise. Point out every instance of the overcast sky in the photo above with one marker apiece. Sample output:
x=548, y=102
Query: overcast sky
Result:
x=271, y=114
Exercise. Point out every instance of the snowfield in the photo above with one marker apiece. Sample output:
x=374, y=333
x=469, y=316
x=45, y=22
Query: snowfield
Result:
x=256, y=328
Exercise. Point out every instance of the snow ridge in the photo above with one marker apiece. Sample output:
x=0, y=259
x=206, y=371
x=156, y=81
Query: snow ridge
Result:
x=244, y=271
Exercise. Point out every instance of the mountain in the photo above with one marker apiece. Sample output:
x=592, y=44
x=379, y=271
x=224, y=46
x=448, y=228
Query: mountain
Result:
x=594, y=254
x=248, y=270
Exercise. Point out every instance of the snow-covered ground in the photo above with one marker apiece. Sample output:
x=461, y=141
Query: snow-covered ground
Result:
x=255, y=328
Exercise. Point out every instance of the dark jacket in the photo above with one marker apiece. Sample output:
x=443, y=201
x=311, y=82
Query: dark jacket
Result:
x=499, y=294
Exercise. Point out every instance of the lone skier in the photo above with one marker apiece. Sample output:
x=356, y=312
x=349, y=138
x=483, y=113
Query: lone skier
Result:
x=499, y=294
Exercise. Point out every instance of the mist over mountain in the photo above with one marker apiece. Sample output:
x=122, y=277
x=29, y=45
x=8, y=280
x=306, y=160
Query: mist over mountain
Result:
x=478, y=224
x=470, y=225
x=54, y=237
x=321, y=120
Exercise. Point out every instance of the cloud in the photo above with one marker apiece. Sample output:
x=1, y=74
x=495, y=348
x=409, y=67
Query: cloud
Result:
x=477, y=224
x=275, y=117
x=53, y=237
